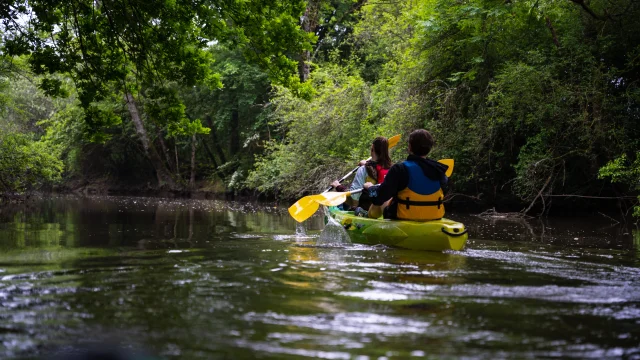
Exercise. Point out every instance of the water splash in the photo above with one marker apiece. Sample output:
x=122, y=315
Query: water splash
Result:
x=300, y=230
x=333, y=233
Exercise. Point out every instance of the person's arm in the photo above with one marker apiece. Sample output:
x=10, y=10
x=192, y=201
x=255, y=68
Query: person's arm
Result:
x=338, y=187
x=444, y=182
x=358, y=182
x=389, y=187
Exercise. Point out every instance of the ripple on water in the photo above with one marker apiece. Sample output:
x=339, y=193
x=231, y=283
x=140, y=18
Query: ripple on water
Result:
x=350, y=322
x=293, y=237
x=246, y=236
x=255, y=284
x=271, y=348
x=374, y=295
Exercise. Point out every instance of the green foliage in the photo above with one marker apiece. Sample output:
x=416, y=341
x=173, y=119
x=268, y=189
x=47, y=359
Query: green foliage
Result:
x=529, y=97
x=621, y=170
x=187, y=128
x=139, y=44
x=236, y=113
x=244, y=87
x=53, y=87
x=26, y=164
x=323, y=136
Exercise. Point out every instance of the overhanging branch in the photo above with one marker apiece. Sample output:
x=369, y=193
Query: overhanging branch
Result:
x=588, y=10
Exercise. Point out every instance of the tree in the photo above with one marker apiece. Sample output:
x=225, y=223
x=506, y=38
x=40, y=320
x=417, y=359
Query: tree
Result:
x=531, y=98
x=190, y=129
x=330, y=23
x=320, y=136
x=26, y=161
x=26, y=164
x=236, y=113
x=130, y=47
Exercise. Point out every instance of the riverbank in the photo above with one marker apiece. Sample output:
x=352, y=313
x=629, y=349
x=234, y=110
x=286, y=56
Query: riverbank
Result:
x=618, y=208
x=456, y=203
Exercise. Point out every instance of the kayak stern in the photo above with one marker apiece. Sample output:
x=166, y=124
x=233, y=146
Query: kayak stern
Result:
x=436, y=235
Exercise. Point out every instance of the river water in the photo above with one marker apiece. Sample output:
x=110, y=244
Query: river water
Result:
x=191, y=279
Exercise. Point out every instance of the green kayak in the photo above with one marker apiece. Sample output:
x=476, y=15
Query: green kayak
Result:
x=436, y=235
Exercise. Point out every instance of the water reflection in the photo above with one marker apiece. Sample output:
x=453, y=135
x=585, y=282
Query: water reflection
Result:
x=595, y=232
x=212, y=279
x=112, y=221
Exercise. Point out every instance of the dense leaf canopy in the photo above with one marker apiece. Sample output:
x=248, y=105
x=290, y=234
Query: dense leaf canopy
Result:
x=538, y=101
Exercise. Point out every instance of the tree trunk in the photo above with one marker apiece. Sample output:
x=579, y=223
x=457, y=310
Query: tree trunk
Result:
x=165, y=150
x=304, y=70
x=309, y=24
x=235, y=132
x=192, y=180
x=210, y=154
x=216, y=144
x=163, y=175
x=175, y=148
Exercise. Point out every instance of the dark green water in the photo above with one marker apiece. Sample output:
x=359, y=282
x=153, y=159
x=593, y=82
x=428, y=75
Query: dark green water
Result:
x=184, y=279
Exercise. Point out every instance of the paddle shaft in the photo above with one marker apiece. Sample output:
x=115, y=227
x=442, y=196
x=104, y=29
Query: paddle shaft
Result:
x=355, y=191
x=392, y=141
x=346, y=176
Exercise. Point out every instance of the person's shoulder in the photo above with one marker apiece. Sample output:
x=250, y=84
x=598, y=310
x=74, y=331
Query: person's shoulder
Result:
x=399, y=166
x=362, y=172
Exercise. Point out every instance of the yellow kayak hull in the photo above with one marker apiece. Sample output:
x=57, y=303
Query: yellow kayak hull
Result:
x=436, y=235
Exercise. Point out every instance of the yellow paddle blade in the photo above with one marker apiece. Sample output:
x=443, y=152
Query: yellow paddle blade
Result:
x=308, y=205
x=331, y=198
x=393, y=141
x=304, y=208
x=449, y=163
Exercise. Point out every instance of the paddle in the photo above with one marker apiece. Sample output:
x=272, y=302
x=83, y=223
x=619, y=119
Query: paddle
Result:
x=308, y=205
x=393, y=141
x=449, y=163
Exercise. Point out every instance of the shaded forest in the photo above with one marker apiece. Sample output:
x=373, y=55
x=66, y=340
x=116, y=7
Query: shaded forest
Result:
x=537, y=101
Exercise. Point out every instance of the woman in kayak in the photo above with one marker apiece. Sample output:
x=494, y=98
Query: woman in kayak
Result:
x=414, y=186
x=372, y=171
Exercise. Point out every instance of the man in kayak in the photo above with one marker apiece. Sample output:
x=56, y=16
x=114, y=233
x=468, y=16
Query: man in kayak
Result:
x=414, y=186
x=372, y=171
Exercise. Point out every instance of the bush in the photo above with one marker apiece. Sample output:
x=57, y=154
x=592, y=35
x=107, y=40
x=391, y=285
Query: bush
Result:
x=26, y=164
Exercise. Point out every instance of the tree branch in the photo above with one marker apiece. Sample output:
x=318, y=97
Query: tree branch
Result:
x=539, y=194
x=588, y=10
x=553, y=31
x=593, y=197
x=325, y=28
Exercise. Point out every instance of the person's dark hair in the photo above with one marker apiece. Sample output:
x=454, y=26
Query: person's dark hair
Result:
x=381, y=148
x=421, y=142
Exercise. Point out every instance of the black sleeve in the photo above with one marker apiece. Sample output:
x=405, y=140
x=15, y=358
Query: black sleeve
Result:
x=444, y=182
x=395, y=180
